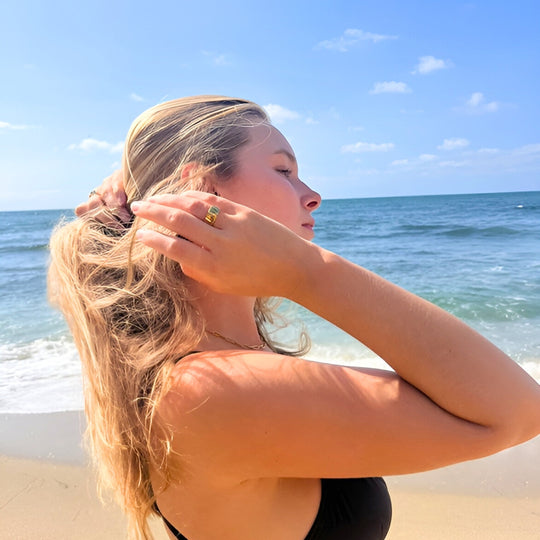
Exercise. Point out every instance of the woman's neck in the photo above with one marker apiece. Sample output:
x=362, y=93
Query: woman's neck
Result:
x=230, y=316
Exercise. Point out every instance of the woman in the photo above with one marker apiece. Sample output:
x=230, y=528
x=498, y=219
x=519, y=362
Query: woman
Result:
x=194, y=414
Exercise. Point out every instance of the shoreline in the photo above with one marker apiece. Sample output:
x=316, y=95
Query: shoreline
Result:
x=48, y=490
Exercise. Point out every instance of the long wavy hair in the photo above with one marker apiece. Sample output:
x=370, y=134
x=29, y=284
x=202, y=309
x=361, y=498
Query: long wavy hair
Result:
x=127, y=306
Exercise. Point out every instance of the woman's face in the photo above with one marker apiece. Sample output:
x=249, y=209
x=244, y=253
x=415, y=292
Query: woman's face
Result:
x=266, y=180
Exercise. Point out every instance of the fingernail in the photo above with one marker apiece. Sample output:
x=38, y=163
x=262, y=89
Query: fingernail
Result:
x=140, y=234
x=135, y=205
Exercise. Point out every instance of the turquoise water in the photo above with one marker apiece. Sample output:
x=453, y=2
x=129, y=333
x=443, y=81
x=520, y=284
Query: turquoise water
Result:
x=477, y=256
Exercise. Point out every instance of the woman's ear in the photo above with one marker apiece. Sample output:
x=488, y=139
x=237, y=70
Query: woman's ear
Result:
x=193, y=176
x=207, y=182
x=188, y=170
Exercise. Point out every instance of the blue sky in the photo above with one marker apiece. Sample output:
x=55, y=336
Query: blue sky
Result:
x=378, y=98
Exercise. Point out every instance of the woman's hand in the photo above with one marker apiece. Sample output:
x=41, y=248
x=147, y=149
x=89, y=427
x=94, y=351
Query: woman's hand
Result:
x=244, y=253
x=109, y=198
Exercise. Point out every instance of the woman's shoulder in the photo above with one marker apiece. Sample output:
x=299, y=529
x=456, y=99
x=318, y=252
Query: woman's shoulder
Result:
x=240, y=410
x=224, y=385
x=232, y=374
x=223, y=375
x=201, y=375
x=214, y=397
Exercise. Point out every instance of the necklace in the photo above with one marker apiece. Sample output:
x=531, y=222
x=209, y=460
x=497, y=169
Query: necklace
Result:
x=258, y=347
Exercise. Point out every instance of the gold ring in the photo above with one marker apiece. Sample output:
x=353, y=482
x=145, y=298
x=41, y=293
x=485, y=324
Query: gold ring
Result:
x=94, y=192
x=211, y=215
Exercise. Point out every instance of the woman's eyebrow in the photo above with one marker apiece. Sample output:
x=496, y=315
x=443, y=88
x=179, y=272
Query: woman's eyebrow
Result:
x=287, y=153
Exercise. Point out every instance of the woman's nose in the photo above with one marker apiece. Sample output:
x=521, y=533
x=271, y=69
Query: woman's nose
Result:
x=311, y=199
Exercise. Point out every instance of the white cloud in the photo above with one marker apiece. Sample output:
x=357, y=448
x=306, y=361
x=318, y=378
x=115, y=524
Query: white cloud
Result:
x=279, y=114
x=367, y=172
x=481, y=161
x=311, y=121
x=135, y=97
x=221, y=60
x=422, y=161
x=477, y=104
x=351, y=37
x=492, y=106
x=91, y=145
x=427, y=157
x=427, y=64
x=453, y=163
x=453, y=144
x=360, y=147
x=218, y=59
x=333, y=113
x=7, y=125
x=528, y=149
x=475, y=99
x=390, y=87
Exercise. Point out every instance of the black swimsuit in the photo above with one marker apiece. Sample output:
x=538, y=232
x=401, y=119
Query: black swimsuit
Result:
x=350, y=509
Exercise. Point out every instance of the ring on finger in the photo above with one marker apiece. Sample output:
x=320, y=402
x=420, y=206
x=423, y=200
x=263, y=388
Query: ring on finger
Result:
x=94, y=193
x=211, y=215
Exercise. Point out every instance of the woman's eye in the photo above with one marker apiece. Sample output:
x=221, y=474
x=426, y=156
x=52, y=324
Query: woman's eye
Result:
x=286, y=172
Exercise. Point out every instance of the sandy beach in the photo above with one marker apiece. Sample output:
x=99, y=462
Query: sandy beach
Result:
x=48, y=491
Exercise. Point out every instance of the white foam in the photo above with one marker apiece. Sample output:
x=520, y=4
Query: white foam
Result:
x=358, y=356
x=349, y=355
x=532, y=367
x=41, y=376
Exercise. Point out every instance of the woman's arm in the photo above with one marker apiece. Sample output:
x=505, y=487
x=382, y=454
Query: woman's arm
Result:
x=462, y=397
x=438, y=354
x=240, y=415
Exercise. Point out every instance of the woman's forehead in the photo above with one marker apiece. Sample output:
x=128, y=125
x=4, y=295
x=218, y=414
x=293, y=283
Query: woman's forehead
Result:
x=268, y=139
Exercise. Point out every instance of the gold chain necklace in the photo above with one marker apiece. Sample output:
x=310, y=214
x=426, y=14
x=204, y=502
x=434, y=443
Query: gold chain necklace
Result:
x=261, y=345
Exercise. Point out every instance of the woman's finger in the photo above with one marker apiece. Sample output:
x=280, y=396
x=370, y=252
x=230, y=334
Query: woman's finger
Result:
x=113, y=195
x=107, y=203
x=197, y=203
x=92, y=203
x=191, y=257
x=96, y=209
x=188, y=224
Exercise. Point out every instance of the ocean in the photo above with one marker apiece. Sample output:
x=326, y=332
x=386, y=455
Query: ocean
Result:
x=477, y=256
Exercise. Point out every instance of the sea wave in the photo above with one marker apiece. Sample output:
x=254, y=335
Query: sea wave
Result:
x=466, y=232
x=20, y=247
x=41, y=376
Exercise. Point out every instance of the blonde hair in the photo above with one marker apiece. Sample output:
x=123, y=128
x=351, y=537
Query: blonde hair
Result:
x=127, y=306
